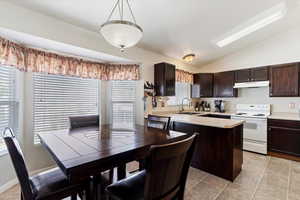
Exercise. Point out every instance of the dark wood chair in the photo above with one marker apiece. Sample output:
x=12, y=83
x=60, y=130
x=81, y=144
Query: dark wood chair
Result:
x=155, y=121
x=164, y=177
x=49, y=185
x=105, y=178
x=160, y=122
x=83, y=121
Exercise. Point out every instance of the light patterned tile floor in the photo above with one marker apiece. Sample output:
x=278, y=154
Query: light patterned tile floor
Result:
x=262, y=178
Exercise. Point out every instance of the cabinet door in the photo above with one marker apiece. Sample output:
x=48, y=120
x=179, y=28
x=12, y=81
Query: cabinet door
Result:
x=164, y=79
x=284, y=80
x=242, y=76
x=284, y=140
x=223, y=84
x=190, y=129
x=206, y=85
x=260, y=74
x=204, y=81
x=170, y=80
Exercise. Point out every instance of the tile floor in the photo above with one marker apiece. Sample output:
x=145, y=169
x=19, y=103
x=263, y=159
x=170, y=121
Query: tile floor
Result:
x=262, y=178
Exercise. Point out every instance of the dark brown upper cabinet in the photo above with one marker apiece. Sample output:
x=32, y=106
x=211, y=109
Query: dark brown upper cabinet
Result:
x=203, y=85
x=284, y=80
x=259, y=74
x=223, y=84
x=164, y=79
x=242, y=76
x=253, y=74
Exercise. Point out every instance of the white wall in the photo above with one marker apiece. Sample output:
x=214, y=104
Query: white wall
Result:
x=30, y=22
x=280, y=48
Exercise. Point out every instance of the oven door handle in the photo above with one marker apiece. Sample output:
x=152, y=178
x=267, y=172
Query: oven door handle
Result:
x=249, y=119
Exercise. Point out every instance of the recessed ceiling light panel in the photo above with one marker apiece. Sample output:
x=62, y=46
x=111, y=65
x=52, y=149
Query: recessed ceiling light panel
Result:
x=275, y=13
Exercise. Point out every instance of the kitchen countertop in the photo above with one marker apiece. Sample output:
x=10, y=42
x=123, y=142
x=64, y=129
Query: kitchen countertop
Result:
x=197, y=119
x=285, y=116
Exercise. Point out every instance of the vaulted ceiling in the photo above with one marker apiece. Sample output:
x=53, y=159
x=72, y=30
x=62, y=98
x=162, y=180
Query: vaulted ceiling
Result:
x=176, y=27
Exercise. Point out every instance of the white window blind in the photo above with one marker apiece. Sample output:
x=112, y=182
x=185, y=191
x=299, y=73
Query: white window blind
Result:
x=8, y=102
x=123, y=95
x=182, y=90
x=56, y=97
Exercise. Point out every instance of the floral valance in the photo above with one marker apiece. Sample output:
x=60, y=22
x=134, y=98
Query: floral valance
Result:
x=184, y=76
x=32, y=60
x=12, y=54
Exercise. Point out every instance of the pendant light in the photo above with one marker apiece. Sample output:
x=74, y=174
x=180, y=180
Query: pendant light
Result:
x=121, y=33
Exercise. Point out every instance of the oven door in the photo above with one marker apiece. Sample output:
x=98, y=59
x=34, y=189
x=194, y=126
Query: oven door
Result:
x=254, y=128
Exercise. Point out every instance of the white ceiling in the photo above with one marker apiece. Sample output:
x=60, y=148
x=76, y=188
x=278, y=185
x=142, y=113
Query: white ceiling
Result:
x=176, y=27
x=61, y=48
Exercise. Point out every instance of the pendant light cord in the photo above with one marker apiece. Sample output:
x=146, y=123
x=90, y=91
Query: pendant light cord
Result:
x=131, y=11
x=120, y=5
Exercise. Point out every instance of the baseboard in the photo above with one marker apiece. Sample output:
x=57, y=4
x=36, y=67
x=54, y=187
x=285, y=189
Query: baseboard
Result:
x=15, y=181
x=8, y=185
x=285, y=156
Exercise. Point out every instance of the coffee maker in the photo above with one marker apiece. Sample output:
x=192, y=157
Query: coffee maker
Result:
x=219, y=106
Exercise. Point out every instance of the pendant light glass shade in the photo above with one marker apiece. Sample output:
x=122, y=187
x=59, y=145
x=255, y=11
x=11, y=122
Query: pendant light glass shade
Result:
x=121, y=33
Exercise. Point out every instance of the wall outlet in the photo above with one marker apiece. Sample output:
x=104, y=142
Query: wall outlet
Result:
x=292, y=105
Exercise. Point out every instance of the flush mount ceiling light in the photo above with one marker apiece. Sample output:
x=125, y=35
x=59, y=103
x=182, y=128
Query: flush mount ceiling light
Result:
x=189, y=58
x=258, y=22
x=121, y=33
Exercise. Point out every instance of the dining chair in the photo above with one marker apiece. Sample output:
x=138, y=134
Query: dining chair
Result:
x=154, y=121
x=160, y=122
x=164, y=177
x=102, y=179
x=48, y=185
x=83, y=121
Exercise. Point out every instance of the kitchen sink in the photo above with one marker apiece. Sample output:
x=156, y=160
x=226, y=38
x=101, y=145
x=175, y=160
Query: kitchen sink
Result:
x=216, y=116
x=188, y=113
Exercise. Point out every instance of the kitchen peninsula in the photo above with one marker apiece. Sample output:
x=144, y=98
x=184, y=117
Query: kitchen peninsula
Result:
x=219, y=146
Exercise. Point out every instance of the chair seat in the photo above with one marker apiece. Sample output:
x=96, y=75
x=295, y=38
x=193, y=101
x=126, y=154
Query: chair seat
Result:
x=52, y=183
x=131, y=188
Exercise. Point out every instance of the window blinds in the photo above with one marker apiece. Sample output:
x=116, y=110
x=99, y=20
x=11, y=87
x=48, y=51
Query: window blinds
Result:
x=123, y=104
x=8, y=102
x=57, y=97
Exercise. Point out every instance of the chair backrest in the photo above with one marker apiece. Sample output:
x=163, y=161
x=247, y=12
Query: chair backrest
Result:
x=84, y=121
x=159, y=122
x=167, y=168
x=17, y=158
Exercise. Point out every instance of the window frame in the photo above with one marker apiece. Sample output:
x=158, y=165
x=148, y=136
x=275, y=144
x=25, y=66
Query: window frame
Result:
x=133, y=102
x=14, y=121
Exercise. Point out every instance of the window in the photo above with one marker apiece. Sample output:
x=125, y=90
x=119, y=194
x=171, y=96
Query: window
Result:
x=123, y=104
x=56, y=97
x=182, y=90
x=8, y=102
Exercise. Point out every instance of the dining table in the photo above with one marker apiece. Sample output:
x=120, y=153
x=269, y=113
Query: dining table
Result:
x=85, y=152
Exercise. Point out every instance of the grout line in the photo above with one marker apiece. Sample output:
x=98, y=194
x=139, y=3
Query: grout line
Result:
x=260, y=179
x=223, y=189
x=289, y=180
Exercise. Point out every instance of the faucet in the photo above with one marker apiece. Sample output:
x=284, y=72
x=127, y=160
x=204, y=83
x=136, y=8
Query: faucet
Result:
x=188, y=99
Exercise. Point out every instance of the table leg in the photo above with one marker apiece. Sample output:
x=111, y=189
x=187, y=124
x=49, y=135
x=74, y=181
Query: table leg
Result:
x=121, y=171
x=97, y=187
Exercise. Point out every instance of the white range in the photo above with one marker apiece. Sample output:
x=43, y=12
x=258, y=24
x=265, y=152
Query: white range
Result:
x=255, y=126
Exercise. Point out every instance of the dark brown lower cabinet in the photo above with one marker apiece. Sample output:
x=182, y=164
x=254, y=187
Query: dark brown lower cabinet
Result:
x=284, y=137
x=218, y=150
